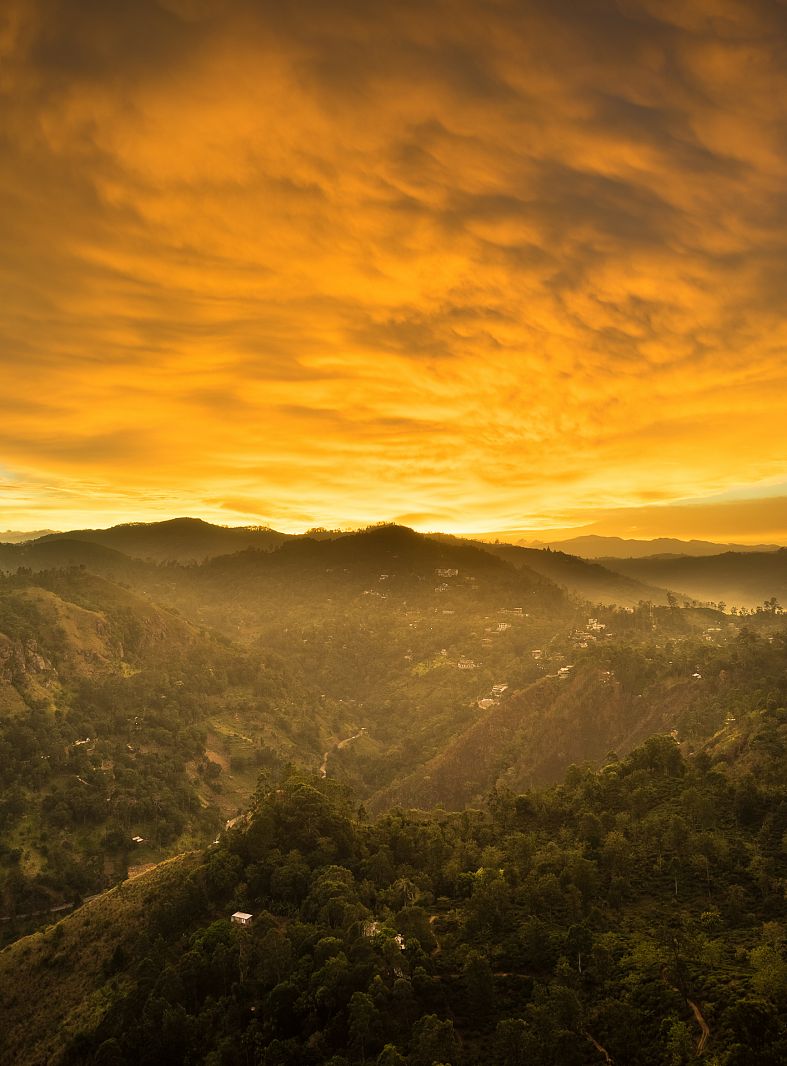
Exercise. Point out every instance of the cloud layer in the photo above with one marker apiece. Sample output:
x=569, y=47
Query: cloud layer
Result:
x=476, y=265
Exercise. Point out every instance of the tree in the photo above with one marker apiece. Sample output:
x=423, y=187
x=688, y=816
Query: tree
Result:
x=579, y=942
x=512, y=1042
x=434, y=1041
x=480, y=986
x=364, y=1021
x=390, y=1056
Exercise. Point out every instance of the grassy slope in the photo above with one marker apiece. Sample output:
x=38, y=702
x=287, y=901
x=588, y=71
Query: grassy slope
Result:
x=52, y=984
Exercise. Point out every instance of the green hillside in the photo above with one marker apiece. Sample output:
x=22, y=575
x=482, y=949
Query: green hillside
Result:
x=632, y=915
x=109, y=705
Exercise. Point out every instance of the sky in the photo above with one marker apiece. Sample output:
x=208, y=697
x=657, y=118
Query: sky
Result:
x=511, y=264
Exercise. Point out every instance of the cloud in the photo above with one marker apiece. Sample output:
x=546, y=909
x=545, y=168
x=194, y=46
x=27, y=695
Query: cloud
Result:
x=474, y=261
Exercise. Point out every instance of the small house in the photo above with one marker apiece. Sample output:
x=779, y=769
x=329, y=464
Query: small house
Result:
x=241, y=918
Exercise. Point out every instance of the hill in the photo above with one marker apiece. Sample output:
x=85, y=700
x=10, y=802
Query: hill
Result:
x=14, y=536
x=254, y=590
x=630, y=915
x=409, y=668
x=681, y=672
x=179, y=539
x=116, y=717
x=64, y=551
x=532, y=738
x=742, y=579
x=592, y=581
x=595, y=547
x=122, y=719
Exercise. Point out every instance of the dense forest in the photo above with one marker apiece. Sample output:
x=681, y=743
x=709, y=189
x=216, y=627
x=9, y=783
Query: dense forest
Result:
x=633, y=914
x=474, y=816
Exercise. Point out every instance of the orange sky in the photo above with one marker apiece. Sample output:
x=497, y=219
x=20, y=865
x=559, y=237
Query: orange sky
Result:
x=475, y=266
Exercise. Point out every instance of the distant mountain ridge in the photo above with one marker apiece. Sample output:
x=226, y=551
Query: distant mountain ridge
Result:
x=590, y=580
x=595, y=547
x=121, y=551
x=176, y=540
x=743, y=579
x=15, y=536
x=133, y=552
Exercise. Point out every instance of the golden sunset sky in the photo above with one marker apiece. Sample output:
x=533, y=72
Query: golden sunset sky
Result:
x=467, y=265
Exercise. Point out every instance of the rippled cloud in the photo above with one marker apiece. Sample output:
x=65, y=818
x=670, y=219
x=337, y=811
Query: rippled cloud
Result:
x=478, y=265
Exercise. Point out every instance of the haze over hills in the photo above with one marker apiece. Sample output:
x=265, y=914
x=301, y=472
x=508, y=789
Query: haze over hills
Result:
x=598, y=547
x=745, y=579
x=133, y=552
x=112, y=551
x=255, y=726
x=590, y=580
x=63, y=551
x=13, y=536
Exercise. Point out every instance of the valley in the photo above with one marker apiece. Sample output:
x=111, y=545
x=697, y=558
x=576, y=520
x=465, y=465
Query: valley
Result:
x=152, y=710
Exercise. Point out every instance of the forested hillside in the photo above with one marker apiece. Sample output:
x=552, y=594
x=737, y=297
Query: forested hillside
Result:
x=106, y=702
x=632, y=915
x=135, y=718
x=629, y=915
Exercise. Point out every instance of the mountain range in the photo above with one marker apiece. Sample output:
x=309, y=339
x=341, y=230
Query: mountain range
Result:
x=359, y=739
x=597, y=547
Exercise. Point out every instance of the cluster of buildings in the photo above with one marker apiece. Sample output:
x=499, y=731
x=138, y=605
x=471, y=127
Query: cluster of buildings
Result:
x=494, y=696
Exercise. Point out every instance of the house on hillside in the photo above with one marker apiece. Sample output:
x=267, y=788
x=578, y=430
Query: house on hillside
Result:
x=241, y=918
x=467, y=664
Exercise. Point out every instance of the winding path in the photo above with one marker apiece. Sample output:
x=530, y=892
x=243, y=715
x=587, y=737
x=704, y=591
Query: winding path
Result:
x=338, y=747
x=703, y=1040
